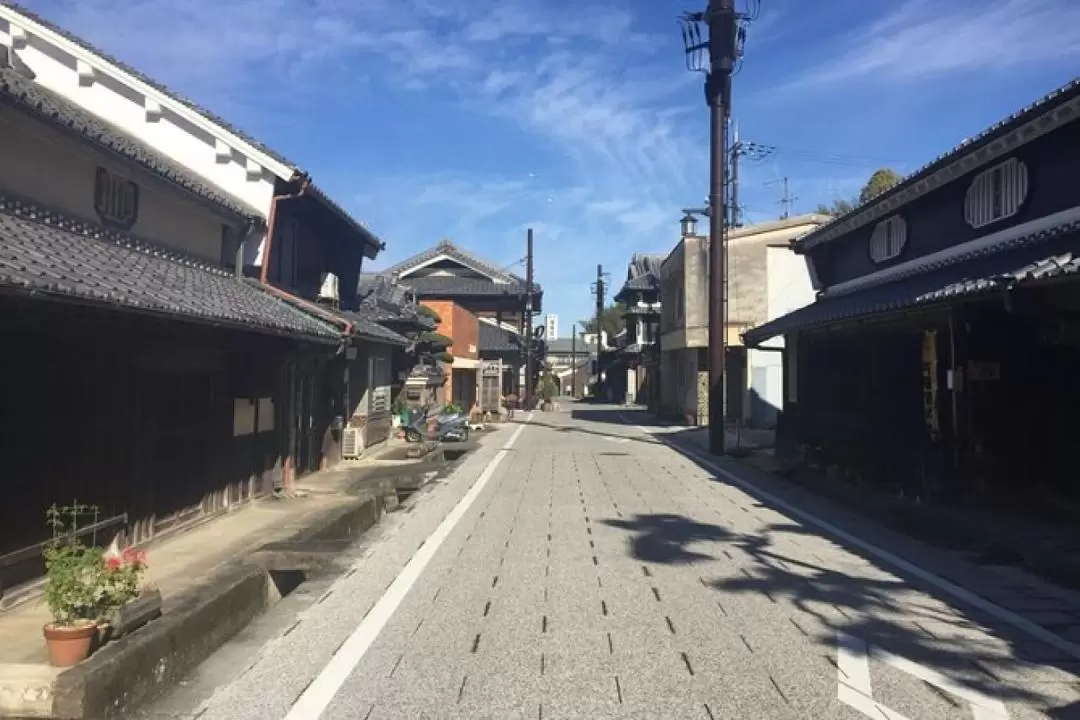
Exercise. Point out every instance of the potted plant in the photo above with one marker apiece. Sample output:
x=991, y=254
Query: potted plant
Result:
x=129, y=604
x=73, y=590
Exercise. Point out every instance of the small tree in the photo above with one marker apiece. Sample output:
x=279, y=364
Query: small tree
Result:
x=881, y=181
x=837, y=208
x=611, y=320
x=427, y=312
x=549, y=388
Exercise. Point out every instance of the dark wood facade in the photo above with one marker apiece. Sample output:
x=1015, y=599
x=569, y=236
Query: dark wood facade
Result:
x=947, y=370
x=156, y=422
x=936, y=220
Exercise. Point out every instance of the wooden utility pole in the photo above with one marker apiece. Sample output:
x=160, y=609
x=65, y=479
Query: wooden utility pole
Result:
x=721, y=20
x=573, y=360
x=528, y=336
x=599, y=306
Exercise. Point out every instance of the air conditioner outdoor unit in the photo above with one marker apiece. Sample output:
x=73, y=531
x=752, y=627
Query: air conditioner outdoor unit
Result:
x=352, y=443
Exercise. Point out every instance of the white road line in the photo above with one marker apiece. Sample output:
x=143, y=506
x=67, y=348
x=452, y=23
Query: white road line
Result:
x=854, y=688
x=960, y=593
x=852, y=664
x=318, y=696
x=866, y=705
x=981, y=705
x=612, y=438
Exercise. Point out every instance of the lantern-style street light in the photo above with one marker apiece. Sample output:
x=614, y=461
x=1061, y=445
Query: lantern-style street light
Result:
x=689, y=225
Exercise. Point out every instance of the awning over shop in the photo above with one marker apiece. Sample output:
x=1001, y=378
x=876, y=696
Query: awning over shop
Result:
x=1038, y=257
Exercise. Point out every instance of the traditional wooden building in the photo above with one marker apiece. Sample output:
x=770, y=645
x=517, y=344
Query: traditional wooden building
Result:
x=450, y=273
x=299, y=235
x=144, y=374
x=939, y=355
x=634, y=376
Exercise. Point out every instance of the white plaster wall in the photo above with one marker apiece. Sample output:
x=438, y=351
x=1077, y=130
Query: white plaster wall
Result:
x=58, y=171
x=125, y=108
x=788, y=288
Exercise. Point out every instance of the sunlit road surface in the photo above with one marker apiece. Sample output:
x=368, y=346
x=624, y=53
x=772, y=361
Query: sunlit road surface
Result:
x=579, y=567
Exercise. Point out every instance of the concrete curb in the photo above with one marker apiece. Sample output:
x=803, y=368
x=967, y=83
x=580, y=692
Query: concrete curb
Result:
x=143, y=665
x=136, y=668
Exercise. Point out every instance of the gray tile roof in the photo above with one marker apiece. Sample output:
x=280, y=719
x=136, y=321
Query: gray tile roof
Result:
x=497, y=339
x=444, y=285
x=386, y=301
x=47, y=255
x=383, y=286
x=563, y=346
x=642, y=275
x=642, y=283
x=25, y=94
x=151, y=82
x=369, y=329
x=644, y=263
x=370, y=238
x=452, y=250
x=1055, y=97
x=1050, y=253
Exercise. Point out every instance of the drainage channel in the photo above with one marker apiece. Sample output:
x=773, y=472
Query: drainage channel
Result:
x=300, y=574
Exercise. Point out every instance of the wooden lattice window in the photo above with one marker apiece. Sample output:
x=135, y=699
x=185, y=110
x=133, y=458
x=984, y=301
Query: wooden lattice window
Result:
x=888, y=239
x=116, y=199
x=996, y=193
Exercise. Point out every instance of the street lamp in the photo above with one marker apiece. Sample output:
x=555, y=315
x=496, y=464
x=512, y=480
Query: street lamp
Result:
x=689, y=225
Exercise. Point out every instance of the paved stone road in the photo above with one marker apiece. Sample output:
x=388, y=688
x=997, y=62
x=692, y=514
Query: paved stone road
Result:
x=600, y=573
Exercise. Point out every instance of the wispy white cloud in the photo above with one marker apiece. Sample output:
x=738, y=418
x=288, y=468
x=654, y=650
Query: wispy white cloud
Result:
x=605, y=96
x=923, y=39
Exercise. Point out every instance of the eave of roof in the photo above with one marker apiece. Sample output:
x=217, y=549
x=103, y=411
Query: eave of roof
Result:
x=919, y=180
x=453, y=251
x=41, y=103
x=1038, y=256
x=372, y=244
x=293, y=172
x=46, y=254
x=446, y=286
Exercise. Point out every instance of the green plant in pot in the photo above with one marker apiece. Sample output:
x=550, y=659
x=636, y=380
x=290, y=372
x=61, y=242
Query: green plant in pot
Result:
x=128, y=603
x=74, y=592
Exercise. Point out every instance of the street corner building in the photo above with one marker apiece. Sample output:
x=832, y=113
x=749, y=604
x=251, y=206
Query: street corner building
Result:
x=937, y=359
x=632, y=367
x=765, y=280
x=184, y=324
x=483, y=310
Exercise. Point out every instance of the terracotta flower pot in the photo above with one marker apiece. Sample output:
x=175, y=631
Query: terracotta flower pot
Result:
x=68, y=646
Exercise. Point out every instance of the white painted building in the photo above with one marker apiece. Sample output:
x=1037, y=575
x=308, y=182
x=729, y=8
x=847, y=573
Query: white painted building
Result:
x=788, y=289
x=244, y=169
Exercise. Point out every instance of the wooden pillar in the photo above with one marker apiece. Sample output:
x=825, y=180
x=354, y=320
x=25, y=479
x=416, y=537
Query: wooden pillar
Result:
x=960, y=411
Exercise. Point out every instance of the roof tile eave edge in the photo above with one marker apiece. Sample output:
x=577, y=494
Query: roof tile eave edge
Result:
x=192, y=185
x=236, y=324
x=1068, y=93
x=133, y=78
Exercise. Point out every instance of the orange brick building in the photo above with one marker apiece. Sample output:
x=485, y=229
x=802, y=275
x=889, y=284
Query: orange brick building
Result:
x=463, y=327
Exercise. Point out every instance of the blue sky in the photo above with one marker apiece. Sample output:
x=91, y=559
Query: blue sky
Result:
x=475, y=119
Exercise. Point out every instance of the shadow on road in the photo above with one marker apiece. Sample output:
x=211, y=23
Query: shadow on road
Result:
x=885, y=612
x=664, y=538
x=613, y=418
